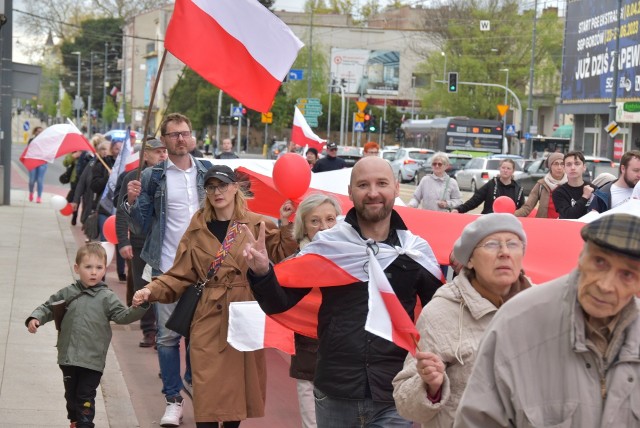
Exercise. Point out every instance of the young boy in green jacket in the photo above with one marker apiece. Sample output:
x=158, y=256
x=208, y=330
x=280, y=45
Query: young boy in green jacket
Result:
x=85, y=331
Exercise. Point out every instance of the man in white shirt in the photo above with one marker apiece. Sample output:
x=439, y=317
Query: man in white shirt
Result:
x=620, y=191
x=161, y=205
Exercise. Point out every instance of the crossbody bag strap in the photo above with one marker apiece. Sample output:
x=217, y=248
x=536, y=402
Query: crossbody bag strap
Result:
x=446, y=186
x=68, y=302
x=223, y=250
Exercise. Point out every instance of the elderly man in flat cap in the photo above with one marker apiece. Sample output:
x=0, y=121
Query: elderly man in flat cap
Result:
x=567, y=353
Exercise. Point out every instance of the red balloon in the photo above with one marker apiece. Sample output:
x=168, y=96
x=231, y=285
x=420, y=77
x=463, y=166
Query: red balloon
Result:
x=67, y=210
x=291, y=175
x=109, y=229
x=504, y=204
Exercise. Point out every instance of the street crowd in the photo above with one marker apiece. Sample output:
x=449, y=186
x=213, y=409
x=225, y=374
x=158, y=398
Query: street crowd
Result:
x=494, y=350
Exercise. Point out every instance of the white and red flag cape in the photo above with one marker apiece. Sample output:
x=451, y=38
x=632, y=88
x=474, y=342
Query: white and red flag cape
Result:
x=302, y=135
x=251, y=329
x=344, y=257
x=237, y=45
x=53, y=142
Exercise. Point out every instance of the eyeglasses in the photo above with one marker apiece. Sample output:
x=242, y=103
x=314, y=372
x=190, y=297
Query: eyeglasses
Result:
x=494, y=246
x=211, y=189
x=176, y=135
x=436, y=164
x=372, y=152
x=316, y=223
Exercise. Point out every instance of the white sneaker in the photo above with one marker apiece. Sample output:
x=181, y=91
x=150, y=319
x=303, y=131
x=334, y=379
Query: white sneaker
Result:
x=172, y=415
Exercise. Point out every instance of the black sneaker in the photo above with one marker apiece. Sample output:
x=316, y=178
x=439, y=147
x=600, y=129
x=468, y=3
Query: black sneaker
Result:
x=122, y=277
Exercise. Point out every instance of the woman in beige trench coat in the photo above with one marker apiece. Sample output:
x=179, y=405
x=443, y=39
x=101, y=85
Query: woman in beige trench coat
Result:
x=228, y=385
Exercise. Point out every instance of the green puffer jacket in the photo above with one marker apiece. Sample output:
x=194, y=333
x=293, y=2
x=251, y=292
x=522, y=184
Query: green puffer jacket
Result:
x=86, y=330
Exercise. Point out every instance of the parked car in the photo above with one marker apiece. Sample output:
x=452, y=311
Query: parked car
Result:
x=537, y=170
x=456, y=162
x=350, y=154
x=119, y=135
x=276, y=148
x=406, y=162
x=478, y=171
x=388, y=154
x=596, y=165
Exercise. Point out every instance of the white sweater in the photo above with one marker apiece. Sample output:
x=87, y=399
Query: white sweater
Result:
x=433, y=189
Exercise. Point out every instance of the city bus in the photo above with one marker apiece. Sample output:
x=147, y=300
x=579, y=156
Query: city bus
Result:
x=450, y=134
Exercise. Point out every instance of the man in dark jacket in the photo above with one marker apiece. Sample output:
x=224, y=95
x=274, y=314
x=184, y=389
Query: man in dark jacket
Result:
x=130, y=244
x=331, y=161
x=355, y=367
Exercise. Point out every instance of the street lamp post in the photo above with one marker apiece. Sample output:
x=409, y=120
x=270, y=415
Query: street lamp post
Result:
x=504, y=118
x=413, y=96
x=90, y=100
x=105, y=82
x=78, y=98
x=444, y=72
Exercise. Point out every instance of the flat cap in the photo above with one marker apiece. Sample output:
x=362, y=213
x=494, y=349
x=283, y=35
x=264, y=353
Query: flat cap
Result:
x=616, y=232
x=153, y=143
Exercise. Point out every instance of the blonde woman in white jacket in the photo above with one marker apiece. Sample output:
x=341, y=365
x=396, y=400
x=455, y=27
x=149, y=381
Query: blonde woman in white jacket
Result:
x=451, y=325
x=437, y=191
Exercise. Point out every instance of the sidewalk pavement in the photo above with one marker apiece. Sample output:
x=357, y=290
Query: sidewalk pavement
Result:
x=31, y=389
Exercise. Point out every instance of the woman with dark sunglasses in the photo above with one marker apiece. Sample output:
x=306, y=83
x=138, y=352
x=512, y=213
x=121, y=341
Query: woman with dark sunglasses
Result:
x=438, y=191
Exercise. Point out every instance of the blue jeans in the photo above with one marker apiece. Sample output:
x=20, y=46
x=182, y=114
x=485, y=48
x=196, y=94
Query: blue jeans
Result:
x=168, y=344
x=337, y=413
x=36, y=175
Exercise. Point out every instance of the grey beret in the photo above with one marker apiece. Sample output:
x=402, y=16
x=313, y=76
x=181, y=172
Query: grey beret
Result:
x=482, y=227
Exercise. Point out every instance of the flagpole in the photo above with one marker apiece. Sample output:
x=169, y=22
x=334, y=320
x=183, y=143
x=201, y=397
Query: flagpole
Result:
x=148, y=118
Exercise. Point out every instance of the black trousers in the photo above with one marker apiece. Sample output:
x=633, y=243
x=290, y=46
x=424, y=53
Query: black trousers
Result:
x=80, y=387
x=148, y=320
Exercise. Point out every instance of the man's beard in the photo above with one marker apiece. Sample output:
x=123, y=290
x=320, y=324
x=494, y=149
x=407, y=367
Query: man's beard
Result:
x=629, y=183
x=373, y=216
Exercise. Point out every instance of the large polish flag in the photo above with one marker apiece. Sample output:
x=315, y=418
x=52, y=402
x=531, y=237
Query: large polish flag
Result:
x=53, y=142
x=302, y=135
x=251, y=329
x=237, y=45
x=132, y=161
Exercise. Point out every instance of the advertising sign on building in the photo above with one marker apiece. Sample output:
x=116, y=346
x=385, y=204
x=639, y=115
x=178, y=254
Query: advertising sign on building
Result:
x=589, y=51
x=365, y=71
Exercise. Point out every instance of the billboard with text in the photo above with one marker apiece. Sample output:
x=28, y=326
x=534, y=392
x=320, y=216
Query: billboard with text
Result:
x=366, y=72
x=589, y=51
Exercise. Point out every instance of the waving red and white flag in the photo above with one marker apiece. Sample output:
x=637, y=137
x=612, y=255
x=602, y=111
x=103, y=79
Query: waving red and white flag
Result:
x=53, y=142
x=302, y=135
x=132, y=161
x=237, y=45
x=251, y=329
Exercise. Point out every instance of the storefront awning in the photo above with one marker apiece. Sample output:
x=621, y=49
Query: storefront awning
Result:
x=563, y=131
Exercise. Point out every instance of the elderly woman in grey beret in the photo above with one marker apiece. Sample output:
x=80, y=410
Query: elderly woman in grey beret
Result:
x=451, y=325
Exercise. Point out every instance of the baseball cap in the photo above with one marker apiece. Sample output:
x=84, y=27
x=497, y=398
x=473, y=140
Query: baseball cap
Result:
x=222, y=173
x=331, y=145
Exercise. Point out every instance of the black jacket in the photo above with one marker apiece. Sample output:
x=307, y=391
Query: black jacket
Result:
x=569, y=202
x=490, y=192
x=353, y=363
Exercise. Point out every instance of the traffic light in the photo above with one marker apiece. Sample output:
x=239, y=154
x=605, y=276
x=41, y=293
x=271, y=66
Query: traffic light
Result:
x=453, y=81
x=372, y=124
x=383, y=127
x=367, y=121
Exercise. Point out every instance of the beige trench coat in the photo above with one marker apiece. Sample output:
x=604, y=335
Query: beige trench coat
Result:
x=228, y=385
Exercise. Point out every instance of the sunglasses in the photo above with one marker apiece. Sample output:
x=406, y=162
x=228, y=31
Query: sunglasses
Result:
x=437, y=164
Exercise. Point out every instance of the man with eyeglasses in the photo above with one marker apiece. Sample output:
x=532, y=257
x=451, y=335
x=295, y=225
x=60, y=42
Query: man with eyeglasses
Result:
x=566, y=353
x=331, y=161
x=160, y=206
x=355, y=367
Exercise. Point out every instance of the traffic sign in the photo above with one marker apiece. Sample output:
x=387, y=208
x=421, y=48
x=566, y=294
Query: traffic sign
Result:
x=360, y=116
x=267, y=117
x=312, y=121
x=237, y=111
x=612, y=128
x=503, y=109
x=26, y=125
x=510, y=130
x=361, y=105
x=358, y=127
x=527, y=136
x=296, y=74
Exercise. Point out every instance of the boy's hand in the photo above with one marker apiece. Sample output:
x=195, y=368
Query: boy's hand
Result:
x=33, y=325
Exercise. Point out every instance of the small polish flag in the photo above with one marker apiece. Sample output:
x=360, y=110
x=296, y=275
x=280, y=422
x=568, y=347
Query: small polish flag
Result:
x=252, y=47
x=132, y=161
x=251, y=329
x=302, y=135
x=53, y=142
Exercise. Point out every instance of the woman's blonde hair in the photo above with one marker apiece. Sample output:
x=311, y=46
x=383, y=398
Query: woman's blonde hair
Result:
x=442, y=157
x=240, y=204
x=306, y=206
